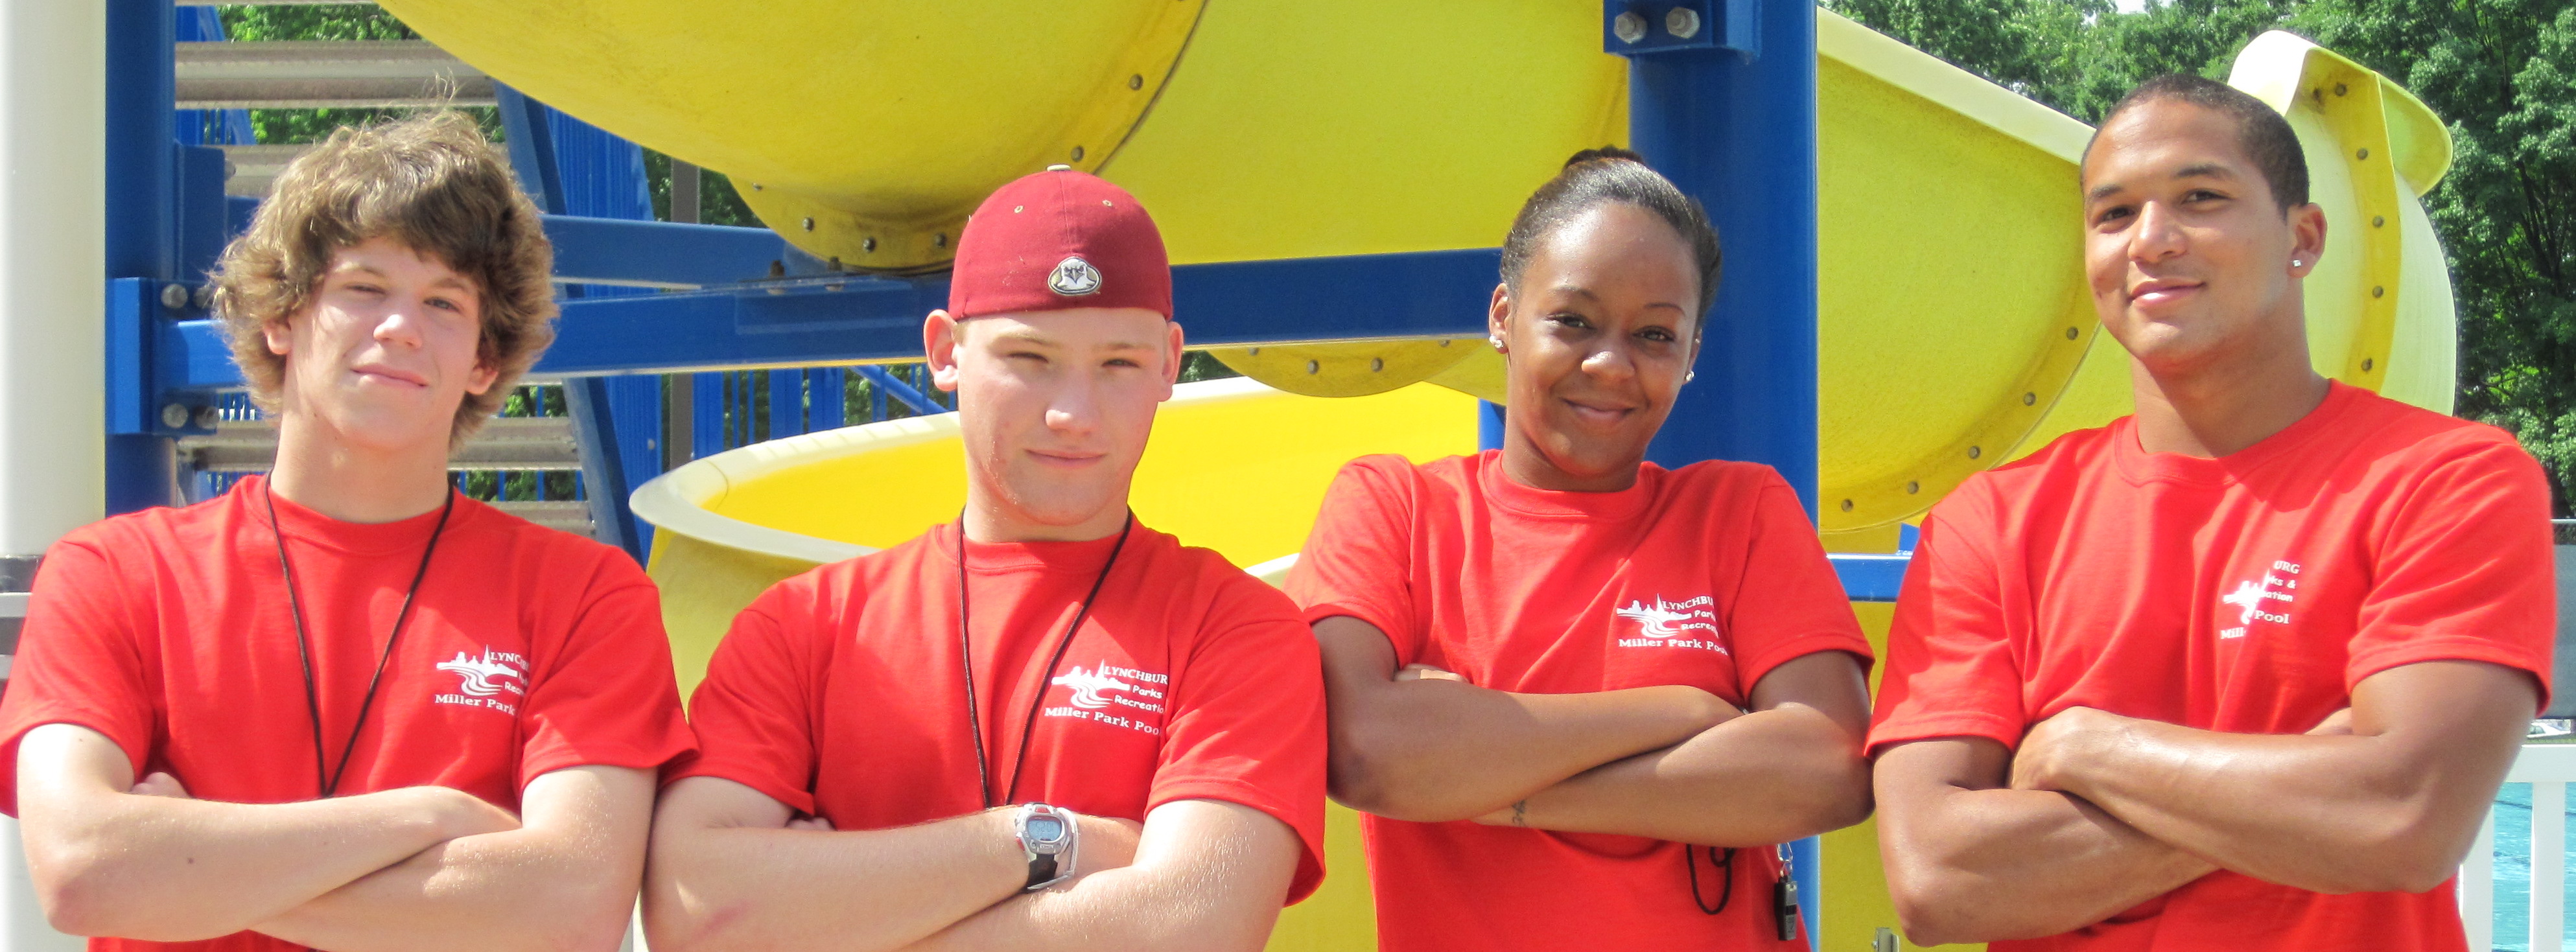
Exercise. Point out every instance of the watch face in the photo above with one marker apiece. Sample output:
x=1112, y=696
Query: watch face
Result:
x=1045, y=829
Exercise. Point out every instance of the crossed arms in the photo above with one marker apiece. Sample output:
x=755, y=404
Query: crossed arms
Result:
x=2097, y=813
x=732, y=868
x=414, y=868
x=1669, y=762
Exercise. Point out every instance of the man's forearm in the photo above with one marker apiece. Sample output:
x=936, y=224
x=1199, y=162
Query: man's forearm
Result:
x=1765, y=777
x=499, y=891
x=1208, y=876
x=2332, y=813
x=768, y=888
x=1985, y=865
x=167, y=869
x=565, y=880
x=1433, y=750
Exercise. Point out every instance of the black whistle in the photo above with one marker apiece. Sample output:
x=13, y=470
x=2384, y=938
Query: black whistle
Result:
x=1784, y=906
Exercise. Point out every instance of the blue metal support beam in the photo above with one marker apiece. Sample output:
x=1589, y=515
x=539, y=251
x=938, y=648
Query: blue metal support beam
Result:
x=1722, y=100
x=888, y=386
x=144, y=207
x=856, y=319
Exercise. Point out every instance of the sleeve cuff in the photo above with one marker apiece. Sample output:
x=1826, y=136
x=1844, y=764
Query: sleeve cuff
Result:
x=2001, y=730
x=1754, y=667
x=799, y=800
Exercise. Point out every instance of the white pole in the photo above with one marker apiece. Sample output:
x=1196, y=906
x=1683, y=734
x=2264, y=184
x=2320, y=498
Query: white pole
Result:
x=53, y=373
x=53, y=267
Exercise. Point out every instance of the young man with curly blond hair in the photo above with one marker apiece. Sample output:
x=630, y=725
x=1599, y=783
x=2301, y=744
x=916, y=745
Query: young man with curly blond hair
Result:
x=341, y=706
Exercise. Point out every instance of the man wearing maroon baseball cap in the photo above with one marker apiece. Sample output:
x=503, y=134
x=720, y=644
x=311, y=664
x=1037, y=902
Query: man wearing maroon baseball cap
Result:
x=1042, y=726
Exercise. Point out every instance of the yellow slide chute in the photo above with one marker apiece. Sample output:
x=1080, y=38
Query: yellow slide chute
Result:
x=1955, y=328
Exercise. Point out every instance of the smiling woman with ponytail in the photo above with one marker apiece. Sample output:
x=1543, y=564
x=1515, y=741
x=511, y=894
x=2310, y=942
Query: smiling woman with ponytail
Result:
x=1581, y=696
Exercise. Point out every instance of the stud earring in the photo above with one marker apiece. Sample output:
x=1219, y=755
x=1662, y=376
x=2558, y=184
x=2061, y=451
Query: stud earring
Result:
x=1689, y=375
x=1496, y=340
x=2294, y=262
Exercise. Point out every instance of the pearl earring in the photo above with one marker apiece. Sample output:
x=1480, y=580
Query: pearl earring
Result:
x=1496, y=340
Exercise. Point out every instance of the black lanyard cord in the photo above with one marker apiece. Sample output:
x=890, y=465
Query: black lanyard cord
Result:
x=1726, y=874
x=329, y=780
x=966, y=661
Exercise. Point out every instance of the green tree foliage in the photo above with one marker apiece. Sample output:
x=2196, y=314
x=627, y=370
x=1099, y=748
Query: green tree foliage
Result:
x=2501, y=73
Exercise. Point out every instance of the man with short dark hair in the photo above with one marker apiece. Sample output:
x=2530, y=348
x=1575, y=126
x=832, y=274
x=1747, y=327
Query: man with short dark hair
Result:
x=1044, y=726
x=2240, y=671
x=341, y=706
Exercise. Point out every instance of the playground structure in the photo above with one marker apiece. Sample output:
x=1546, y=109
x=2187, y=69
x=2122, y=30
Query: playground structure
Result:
x=1331, y=178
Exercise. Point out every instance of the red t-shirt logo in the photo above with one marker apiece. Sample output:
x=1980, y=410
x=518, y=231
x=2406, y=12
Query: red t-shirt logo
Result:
x=1667, y=624
x=1118, y=696
x=2250, y=597
x=482, y=680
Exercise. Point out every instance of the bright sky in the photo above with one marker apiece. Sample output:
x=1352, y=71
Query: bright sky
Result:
x=2130, y=6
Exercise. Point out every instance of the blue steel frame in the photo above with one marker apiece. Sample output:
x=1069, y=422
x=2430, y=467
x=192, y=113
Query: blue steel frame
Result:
x=1728, y=113
x=1732, y=120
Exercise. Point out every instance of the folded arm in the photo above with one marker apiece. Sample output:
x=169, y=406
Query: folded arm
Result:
x=732, y=868
x=1435, y=749
x=111, y=858
x=1207, y=875
x=1791, y=768
x=2392, y=805
x=1970, y=860
x=564, y=880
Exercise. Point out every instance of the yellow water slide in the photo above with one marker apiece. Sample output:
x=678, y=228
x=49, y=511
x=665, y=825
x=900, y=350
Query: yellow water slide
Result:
x=1955, y=331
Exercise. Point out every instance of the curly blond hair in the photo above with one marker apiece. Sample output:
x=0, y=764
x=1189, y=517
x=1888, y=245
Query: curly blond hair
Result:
x=431, y=182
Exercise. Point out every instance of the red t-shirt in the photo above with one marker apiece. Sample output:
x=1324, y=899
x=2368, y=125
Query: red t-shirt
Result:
x=2245, y=594
x=1709, y=576
x=839, y=692
x=529, y=650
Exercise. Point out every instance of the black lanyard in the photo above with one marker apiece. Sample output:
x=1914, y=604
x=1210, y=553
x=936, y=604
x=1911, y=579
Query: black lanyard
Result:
x=966, y=661
x=329, y=780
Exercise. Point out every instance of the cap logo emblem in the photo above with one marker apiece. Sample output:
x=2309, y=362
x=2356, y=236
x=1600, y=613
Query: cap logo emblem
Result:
x=1074, y=277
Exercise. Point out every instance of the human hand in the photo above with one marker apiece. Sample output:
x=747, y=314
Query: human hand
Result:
x=1424, y=672
x=2055, y=747
x=159, y=784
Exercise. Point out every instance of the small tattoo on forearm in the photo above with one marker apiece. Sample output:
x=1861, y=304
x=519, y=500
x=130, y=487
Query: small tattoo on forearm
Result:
x=1520, y=813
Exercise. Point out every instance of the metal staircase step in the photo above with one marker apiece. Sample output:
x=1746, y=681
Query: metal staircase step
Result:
x=307, y=74
x=572, y=517
x=250, y=170
x=514, y=443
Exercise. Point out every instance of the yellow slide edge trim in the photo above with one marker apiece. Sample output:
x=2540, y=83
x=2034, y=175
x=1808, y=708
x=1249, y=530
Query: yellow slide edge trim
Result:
x=2283, y=69
x=680, y=500
x=1997, y=436
x=820, y=228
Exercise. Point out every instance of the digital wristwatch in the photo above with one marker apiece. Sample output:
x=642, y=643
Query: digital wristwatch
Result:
x=1050, y=836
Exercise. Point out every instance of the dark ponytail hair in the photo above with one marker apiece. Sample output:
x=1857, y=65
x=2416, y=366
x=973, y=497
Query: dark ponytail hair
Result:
x=1613, y=174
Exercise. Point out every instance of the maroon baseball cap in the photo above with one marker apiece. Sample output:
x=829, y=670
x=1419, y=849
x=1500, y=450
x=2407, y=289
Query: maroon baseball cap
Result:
x=1055, y=240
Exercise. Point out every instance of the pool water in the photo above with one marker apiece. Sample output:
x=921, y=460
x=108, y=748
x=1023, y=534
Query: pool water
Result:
x=2513, y=870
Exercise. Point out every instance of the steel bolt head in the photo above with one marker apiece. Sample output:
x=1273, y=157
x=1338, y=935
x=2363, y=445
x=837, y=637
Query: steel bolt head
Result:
x=208, y=416
x=205, y=297
x=174, y=296
x=1628, y=27
x=173, y=415
x=1682, y=23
